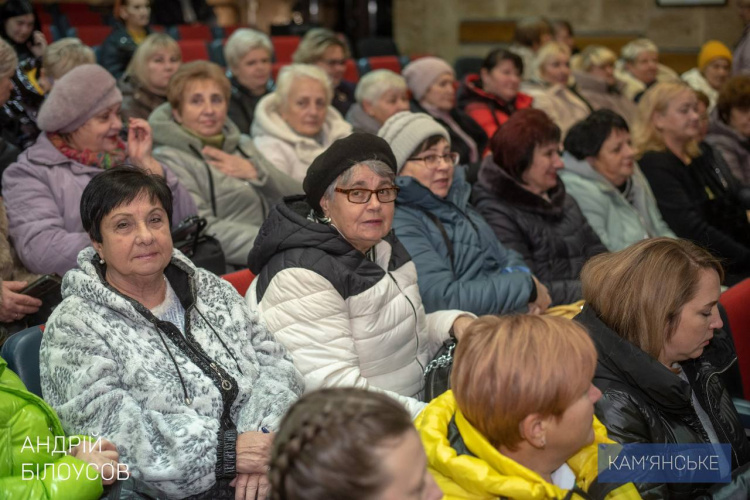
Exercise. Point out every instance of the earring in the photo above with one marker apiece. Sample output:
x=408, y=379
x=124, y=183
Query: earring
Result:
x=101, y=260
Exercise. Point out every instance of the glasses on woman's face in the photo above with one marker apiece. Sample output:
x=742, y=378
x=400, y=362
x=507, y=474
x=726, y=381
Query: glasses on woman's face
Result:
x=361, y=196
x=433, y=161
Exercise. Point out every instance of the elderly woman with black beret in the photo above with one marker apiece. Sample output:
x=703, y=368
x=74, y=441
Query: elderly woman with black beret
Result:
x=81, y=122
x=159, y=357
x=335, y=285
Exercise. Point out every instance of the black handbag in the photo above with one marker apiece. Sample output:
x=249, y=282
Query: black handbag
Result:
x=202, y=249
x=437, y=373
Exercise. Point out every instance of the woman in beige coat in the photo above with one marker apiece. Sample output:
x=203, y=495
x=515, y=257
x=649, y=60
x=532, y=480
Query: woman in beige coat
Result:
x=550, y=88
x=296, y=123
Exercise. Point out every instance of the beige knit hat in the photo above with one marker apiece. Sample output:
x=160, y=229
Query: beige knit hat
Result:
x=81, y=94
x=422, y=73
x=405, y=131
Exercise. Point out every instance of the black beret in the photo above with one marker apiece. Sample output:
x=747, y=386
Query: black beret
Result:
x=339, y=157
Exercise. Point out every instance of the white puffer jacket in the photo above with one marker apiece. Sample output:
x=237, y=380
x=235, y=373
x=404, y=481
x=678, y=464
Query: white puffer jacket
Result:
x=347, y=321
x=286, y=149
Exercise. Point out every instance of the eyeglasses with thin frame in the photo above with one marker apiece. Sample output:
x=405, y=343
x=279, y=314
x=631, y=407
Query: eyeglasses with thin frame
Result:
x=334, y=62
x=361, y=196
x=433, y=161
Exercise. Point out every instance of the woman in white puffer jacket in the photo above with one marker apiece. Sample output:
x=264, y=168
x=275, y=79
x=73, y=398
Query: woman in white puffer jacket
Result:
x=337, y=288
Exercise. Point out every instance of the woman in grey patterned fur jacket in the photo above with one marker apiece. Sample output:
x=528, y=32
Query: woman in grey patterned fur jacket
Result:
x=162, y=358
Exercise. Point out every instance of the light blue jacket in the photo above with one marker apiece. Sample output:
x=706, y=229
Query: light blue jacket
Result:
x=616, y=221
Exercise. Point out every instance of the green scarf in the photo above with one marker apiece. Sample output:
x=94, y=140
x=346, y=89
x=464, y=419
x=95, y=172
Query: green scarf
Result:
x=215, y=141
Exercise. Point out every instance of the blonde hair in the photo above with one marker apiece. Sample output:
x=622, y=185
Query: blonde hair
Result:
x=508, y=367
x=639, y=292
x=314, y=44
x=243, y=41
x=138, y=66
x=375, y=83
x=546, y=52
x=8, y=59
x=292, y=72
x=657, y=100
x=65, y=54
x=632, y=50
x=192, y=71
x=595, y=56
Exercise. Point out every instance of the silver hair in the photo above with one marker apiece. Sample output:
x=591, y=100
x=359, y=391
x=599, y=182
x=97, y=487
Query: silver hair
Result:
x=633, y=49
x=292, y=72
x=243, y=41
x=377, y=167
x=376, y=83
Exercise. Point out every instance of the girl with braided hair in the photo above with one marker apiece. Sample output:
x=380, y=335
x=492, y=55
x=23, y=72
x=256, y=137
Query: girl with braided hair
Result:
x=349, y=443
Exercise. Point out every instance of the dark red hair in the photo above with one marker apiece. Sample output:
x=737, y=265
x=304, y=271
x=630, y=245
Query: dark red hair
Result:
x=514, y=142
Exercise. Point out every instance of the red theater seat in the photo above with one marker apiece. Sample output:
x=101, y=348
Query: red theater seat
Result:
x=193, y=50
x=284, y=47
x=91, y=35
x=240, y=280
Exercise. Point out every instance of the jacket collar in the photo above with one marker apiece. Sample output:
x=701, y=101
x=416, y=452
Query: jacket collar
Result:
x=88, y=283
x=488, y=472
x=472, y=89
x=413, y=193
x=585, y=81
x=168, y=132
x=361, y=120
x=496, y=180
x=621, y=361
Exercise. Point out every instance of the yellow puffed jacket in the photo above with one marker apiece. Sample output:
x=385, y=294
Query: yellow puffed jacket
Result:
x=489, y=474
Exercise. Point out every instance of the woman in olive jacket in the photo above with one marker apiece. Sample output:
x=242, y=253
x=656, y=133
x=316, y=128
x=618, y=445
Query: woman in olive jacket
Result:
x=660, y=369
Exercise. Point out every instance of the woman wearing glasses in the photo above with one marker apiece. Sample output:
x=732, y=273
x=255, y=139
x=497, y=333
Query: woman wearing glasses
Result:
x=460, y=262
x=525, y=203
x=337, y=288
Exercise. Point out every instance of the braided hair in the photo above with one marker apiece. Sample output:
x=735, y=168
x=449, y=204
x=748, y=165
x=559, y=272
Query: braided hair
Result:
x=327, y=445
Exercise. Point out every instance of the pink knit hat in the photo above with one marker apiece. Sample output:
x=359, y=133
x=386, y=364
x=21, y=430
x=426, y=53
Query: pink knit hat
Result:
x=422, y=73
x=79, y=95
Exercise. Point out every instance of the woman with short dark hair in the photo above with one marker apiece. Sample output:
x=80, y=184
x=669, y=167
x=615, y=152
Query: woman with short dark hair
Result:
x=492, y=96
x=349, y=443
x=610, y=189
x=138, y=321
x=20, y=27
x=521, y=197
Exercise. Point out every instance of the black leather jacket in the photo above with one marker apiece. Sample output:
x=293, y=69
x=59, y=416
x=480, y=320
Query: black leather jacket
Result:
x=644, y=402
x=117, y=50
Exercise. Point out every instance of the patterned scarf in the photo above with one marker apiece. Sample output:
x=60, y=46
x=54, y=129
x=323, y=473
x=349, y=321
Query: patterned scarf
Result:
x=100, y=159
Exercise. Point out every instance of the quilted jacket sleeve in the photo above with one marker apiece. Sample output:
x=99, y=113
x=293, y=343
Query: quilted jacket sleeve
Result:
x=35, y=222
x=176, y=451
x=494, y=293
x=308, y=316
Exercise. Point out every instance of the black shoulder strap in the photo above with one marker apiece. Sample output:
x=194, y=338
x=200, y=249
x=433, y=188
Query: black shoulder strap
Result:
x=210, y=179
x=447, y=240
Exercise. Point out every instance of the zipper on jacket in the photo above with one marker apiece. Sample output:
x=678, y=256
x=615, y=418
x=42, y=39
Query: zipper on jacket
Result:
x=711, y=409
x=416, y=322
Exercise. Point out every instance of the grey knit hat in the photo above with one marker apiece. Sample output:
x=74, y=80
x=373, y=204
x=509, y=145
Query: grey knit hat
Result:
x=76, y=97
x=405, y=131
x=422, y=73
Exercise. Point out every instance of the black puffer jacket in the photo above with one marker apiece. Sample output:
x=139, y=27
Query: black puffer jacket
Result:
x=644, y=402
x=242, y=104
x=697, y=205
x=553, y=236
x=117, y=50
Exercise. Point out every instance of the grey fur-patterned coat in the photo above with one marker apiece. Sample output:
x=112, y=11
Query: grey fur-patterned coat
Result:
x=110, y=368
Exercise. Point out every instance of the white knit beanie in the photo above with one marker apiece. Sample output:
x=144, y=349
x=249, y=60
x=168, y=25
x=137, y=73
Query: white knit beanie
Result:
x=405, y=131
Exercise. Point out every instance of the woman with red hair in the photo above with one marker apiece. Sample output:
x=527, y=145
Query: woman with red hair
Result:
x=521, y=197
